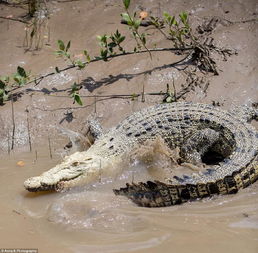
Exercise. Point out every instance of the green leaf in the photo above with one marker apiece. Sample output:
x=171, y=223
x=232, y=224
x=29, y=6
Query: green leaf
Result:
x=5, y=79
x=104, y=38
x=75, y=87
x=87, y=55
x=68, y=46
x=172, y=33
x=136, y=23
x=77, y=98
x=126, y=18
x=59, y=53
x=170, y=20
x=126, y=4
x=121, y=39
x=66, y=54
x=80, y=64
x=112, y=44
x=117, y=34
x=103, y=54
x=183, y=16
x=17, y=79
x=173, y=21
x=2, y=84
x=23, y=81
x=5, y=96
x=143, y=38
x=21, y=71
x=97, y=58
x=20, y=80
x=61, y=45
x=99, y=37
x=170, y=99
x=166, y=14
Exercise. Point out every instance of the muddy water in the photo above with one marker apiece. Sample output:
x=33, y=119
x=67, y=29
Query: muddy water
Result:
x=92, y=219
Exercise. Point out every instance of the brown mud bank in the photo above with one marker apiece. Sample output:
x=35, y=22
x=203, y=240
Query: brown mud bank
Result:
x=92, y=219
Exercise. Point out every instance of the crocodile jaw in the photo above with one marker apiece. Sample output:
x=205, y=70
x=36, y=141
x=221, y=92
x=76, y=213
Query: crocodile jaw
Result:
x=77, y=169
x=33, y=184
x=36, y=184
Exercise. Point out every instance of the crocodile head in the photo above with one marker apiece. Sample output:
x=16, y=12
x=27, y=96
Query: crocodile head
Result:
x=79, y=168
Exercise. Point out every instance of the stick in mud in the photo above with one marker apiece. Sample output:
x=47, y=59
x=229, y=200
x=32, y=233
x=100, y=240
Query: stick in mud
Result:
x=174, y=89
x=49, y=147
x=36, y=156
x=100, y=171
x=95, y=104
x=8, y=142
x=28, y=127
x=13, y=122
x=143, y=95
x=132, y=177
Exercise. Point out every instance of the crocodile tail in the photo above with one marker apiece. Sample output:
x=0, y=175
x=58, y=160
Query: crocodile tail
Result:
x=158, y=194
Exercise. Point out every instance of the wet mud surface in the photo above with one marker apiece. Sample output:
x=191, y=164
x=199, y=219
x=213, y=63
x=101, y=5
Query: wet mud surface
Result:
x=91, y=218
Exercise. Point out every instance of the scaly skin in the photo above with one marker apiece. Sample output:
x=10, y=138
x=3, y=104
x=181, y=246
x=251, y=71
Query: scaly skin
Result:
x=175, y=123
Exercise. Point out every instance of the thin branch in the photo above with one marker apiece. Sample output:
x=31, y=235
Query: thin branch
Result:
x=15, y=19
x=37, y=80
x=121, y=96
x=115, y=95
x=67, y=1
x=161, y=31
x=135, y=31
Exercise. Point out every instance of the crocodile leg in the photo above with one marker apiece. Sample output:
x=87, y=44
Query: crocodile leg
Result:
x=197, y=145
x=81, y=142
x=246, y=112
x=78, y=142
x=95, y=128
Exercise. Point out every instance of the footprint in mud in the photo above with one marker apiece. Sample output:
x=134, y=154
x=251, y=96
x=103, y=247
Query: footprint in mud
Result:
x=96, y=211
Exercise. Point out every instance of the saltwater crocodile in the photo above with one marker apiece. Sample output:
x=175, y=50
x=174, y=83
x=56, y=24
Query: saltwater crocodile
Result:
x=179, y=124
